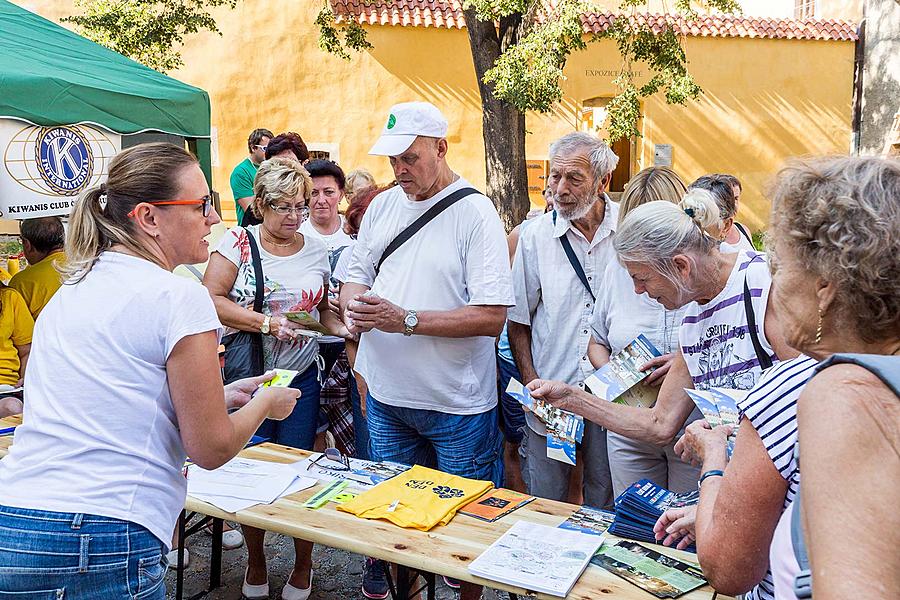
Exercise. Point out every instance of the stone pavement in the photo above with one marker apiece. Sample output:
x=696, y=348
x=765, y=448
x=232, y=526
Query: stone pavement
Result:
x=338, y=574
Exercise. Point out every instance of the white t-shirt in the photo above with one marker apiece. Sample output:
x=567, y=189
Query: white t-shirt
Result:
x=715, y=338
x=621, y=315
x=458, y=259
x=337, y=244
x=293, y=283
x=100, y=435
x=342, y=268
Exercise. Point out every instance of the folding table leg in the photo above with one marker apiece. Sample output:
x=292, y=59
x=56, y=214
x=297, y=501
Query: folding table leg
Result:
x=429, y=581
x=215, y=561
x=179, y=575
x=402, y=583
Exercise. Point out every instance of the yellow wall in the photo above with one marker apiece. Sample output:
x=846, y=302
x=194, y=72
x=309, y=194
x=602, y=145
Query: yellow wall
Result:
x=766, y=100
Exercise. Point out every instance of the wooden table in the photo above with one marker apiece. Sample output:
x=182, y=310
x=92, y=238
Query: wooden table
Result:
x=445, y=550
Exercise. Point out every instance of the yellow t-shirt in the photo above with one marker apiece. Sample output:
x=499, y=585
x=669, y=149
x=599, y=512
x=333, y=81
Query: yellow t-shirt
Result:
x=419, y=498
x=38, y=282
x=16, y=327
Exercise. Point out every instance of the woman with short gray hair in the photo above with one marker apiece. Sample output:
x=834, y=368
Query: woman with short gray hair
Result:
x=734, y=236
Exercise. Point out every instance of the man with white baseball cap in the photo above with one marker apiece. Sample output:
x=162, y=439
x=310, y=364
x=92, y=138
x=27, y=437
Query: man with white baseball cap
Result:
x=428, y=288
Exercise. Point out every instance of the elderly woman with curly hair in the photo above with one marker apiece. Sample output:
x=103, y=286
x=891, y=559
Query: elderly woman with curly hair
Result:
x=836, y=286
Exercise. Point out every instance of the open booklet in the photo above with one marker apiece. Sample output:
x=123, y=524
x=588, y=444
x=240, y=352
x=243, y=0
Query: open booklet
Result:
x=620, y=379
x=661, y=575
x=564, y=429
x=309, y=322
x=719, y=407
x=537, y=557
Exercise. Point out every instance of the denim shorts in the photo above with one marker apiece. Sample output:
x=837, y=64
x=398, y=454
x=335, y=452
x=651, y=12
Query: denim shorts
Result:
x=46, y=555
x=298, y=430
x=464, y=445
x=512, y=417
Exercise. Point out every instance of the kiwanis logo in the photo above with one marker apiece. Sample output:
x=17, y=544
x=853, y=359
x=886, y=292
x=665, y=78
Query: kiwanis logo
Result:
x=64, y=159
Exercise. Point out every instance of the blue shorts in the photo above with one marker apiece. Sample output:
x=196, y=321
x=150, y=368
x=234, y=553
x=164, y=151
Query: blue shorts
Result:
x=298, y=430
x=464, y=445
x=49, y=555
x=512, y=416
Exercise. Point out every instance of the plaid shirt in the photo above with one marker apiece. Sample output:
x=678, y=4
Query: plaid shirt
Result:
x=335, y=401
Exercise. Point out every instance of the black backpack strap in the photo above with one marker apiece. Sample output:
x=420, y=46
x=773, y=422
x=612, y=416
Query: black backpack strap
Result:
x=765, y=361
x=257, y=272
x=414, y=227
x=573, y=260
x=803, y=582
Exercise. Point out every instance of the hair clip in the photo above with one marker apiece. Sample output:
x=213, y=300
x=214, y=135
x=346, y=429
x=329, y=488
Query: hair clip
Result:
x=689, y=212
x=102, y=199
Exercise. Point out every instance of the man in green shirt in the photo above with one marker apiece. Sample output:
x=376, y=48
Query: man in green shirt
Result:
x=245, y=172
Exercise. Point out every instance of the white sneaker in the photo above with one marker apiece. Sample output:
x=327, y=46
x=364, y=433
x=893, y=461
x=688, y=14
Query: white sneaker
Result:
x=254, y=592
x=172, y=557
x=232, y=539
x=292, y=593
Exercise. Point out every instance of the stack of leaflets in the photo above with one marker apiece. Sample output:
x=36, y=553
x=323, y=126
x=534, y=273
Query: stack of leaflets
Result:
x=661, y=575
x=719, y=407
x=589, y=520
x=242, y=482
x=641, y=505
x=537, y=558
x=361, y=474
x=620, y=379
x=495, y=504
x=564, y=429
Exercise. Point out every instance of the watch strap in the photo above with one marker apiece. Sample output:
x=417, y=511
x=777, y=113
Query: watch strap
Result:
x=710, y=473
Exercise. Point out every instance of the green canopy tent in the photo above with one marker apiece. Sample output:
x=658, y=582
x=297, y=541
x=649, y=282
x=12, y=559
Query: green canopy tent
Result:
x=52, y=76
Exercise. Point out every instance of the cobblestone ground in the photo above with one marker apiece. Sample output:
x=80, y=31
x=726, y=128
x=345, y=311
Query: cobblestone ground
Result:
x=338, y=574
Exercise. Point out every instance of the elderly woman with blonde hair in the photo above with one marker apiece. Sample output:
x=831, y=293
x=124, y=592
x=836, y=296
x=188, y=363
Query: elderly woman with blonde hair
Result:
x=295, y=274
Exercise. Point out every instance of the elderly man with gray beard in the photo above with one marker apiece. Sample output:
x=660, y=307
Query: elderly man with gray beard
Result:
x=557, y=272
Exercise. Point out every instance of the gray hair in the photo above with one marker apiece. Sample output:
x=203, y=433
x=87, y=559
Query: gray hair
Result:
x=603, y=159
x=720, y=186
x=654, y=233
x=841, y=215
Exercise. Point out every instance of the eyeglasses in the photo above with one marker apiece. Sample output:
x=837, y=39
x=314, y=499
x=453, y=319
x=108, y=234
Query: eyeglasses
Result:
x=283, y=210
x=332, y=454
x=206, y=201
x=260, y=147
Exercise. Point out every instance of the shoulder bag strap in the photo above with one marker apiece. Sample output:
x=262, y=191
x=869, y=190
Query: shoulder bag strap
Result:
x=803, y=581
x=573, y=260
x=743, y=231
x=765, y=361
x=257, y=272
x=419, y=223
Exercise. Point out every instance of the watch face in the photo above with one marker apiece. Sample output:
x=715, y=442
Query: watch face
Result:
x=411, y=320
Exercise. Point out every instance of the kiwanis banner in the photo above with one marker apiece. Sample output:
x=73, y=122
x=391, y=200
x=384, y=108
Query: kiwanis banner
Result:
x=45, y=169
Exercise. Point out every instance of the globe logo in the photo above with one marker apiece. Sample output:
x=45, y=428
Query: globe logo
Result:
x=64, y=159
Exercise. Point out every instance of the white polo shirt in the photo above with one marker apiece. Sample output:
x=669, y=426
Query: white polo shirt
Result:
x=458, y=259
x=552, y=300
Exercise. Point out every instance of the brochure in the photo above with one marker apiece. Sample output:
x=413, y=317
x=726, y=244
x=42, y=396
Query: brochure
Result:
x=537, y=557
x=362, y=475
x=589, y=520
x=661, y=575
x=640, y=506
x=283, y=378
x=495, y=504
x=308, y=321
x=618, y=380
x=564, y=429
x=719, y=407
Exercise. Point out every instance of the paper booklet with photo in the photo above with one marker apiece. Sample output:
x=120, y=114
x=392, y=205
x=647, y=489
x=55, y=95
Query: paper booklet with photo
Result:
x=308, y=321
x=589, y=520
x=719, y=407
x=640, y=506
x=661, y=575
x=538, y=558
x=361, y=474
x=564, y=429
x=495, y=504
x=620, y=379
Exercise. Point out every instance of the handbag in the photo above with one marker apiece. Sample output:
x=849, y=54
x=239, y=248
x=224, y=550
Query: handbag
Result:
x=244, y=349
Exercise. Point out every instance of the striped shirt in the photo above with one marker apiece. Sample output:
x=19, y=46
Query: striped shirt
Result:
x=772, y=410
x=715, y=338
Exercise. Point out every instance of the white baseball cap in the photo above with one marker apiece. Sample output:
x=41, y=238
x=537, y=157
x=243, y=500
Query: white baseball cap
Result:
x=405, y=122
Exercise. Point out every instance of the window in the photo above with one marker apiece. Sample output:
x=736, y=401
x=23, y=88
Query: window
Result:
x=804, y=9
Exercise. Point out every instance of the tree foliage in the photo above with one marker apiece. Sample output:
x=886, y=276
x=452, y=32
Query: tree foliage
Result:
x=529, y=73
x=148, y=31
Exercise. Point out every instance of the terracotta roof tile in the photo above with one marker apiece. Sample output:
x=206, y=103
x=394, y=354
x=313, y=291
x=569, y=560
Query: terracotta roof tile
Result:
x=448, y=14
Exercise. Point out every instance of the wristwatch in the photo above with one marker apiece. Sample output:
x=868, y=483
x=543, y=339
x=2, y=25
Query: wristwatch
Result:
x=410, y=322
x=264, y=328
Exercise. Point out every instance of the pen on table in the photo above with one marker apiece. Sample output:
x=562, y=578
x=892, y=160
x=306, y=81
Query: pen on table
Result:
x=8, y=430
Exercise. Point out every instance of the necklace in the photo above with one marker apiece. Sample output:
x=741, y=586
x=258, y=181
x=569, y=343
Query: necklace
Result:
x=668, y=330
x=277, y=245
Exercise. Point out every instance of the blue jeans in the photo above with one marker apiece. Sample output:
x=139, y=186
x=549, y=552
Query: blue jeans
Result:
x=299, y=429
x=360, y=427
x=464, y=445
x=46, y=555
x=512, y=417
